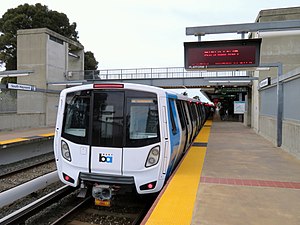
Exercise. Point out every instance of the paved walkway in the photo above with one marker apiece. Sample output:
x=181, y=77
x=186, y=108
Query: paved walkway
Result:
x=11, y=137
x=246, y=180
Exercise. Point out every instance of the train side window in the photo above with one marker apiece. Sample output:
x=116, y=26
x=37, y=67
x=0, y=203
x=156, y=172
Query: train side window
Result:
x=181, y=115
x=184, y=105
x=190, y=112
x=199, y=113
x=173, y=123
x=194, y=111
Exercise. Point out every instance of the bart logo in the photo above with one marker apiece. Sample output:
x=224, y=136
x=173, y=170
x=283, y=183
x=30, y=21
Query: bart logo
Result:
x=105, y=158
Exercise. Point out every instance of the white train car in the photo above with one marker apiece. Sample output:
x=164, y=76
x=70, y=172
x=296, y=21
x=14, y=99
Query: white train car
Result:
x=113, y=134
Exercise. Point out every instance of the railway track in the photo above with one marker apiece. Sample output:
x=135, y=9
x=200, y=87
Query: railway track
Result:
x=22, y=175
x=63, y=207
x=129, y=209
x=21, y=215
x=14, y=168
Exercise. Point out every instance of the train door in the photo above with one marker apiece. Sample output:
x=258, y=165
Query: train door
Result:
x=174, y=135
x=75, y=131
x=203, y=114
x=197, y=116
x=184, y=136
x=188, y=121
x=192, y=120
x=106, y=149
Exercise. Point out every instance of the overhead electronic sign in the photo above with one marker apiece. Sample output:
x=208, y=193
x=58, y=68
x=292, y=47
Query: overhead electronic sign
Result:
x=224, y=54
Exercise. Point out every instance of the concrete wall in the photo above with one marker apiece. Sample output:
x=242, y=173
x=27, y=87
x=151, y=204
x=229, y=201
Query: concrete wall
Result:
x=291, y=115
x=267, y=128
x=31, y=55
x=290, y=141
x=279, y=46
x=47, y=54
x=284, y=47
x=14, y=121
x=290, y=130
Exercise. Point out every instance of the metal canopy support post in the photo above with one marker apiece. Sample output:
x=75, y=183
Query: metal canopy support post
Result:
x=279, y=99
x=279, y=105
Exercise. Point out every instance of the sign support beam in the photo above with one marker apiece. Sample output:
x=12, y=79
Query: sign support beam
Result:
x=244, y=27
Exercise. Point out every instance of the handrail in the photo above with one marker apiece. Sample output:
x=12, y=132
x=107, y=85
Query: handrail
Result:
x=149, y=73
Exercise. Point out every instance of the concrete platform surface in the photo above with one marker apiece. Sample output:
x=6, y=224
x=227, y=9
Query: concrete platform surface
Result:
x=246, y=180
x=18, y=135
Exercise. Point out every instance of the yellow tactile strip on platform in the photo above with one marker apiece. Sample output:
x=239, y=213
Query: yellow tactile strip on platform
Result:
x=176, y=203
x=47, y=135
x=12, y=141
x=203, y=136
x=16, y=140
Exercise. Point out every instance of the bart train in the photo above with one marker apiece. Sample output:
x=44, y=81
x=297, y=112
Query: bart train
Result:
x=110, y=135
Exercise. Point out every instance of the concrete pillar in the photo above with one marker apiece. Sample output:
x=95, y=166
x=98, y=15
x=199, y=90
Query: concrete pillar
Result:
x=47, y=54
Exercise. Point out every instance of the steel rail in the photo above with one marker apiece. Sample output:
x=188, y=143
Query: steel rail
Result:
x=27, y=188
x=26, y=212
x=13, y=172
x=70, y=212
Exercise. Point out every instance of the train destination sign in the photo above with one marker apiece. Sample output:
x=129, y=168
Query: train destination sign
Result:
x=231, y=54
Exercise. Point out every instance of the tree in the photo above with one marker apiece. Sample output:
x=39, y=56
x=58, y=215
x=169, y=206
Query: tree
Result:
x=6, y=80
x=27, y=17
x=90, y=63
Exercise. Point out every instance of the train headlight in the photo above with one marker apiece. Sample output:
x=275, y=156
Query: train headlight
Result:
x=65, y=151
x=153, y=157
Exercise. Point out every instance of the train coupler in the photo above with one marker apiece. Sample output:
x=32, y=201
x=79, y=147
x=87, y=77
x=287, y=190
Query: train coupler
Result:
x=102, y=194
x=83, y=190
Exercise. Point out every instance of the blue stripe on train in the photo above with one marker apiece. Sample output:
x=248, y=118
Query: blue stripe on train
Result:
x=174, y=133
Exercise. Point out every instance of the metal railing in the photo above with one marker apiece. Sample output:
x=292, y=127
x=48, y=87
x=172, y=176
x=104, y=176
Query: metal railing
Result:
x=149, y=73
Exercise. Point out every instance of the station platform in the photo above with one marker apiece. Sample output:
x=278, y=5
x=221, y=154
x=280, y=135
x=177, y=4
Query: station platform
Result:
x=17, y=137
x=230, y=175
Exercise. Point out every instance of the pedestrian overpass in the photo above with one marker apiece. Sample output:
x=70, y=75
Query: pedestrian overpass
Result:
x=167, y=77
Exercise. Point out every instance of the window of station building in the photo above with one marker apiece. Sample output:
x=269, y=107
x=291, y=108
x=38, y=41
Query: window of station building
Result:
x=57, y=40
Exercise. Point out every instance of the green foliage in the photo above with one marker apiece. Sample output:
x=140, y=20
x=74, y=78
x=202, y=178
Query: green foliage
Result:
x=90, y=63
x=27, y=17
x=6, y=80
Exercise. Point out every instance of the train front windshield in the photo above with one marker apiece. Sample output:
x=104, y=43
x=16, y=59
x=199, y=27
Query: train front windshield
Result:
x=111, y=118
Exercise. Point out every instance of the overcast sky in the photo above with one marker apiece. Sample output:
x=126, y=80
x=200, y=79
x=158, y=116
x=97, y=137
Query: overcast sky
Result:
x=148, y=33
